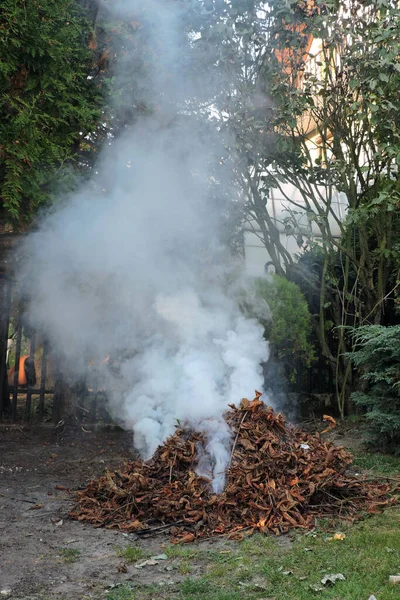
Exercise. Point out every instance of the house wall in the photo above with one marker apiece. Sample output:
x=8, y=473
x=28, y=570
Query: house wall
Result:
x=279, y=203
x=284, y=203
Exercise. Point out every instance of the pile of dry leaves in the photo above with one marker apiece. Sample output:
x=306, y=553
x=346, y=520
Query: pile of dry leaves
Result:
x=279, y=478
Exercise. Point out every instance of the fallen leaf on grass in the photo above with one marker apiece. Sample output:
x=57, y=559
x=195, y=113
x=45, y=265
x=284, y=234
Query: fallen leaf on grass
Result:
x=146, y=563
x=332, y=579
x=252, y=586
x=337, y=536
x=185, y=539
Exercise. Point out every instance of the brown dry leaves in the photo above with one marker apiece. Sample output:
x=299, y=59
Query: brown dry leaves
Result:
x=273, y=483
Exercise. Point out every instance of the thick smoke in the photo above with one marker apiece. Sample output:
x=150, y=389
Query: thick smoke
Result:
x=132, y=268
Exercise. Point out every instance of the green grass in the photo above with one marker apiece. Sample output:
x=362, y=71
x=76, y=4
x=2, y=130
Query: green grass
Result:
x=69, y=555
x=366, y=557
x=186, y=552
x=131, y=554
x=123, y=592
x=185, y=567
x=362, y=557
x=377, y=464
x=255, y=568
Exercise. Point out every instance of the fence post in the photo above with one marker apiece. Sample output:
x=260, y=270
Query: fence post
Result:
x=5, y=306
x=7, y=243
x=59, y=399
x=62, y=401
x=43, y=376
x=28, y=407
x=17, y=360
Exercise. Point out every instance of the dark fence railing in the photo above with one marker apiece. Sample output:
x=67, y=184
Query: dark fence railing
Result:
x=32, y=385
x=25, y=384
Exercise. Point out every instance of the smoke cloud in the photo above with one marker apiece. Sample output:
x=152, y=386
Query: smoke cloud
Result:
x=132, y=268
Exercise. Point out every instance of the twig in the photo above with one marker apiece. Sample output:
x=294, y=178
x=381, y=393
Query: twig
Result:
x=18, y=499
x=157, y=529
x=171, y=467
x=21, y=431
x=236, y=439
x=227, y=534
x=397, y=479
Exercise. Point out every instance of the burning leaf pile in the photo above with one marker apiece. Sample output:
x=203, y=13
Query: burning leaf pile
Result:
x=279, y=478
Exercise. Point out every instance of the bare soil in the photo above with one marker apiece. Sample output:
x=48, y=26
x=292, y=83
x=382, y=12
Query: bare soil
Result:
x=37, y=539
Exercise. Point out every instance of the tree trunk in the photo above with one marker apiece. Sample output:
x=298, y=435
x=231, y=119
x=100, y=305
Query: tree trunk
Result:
x=7, y=242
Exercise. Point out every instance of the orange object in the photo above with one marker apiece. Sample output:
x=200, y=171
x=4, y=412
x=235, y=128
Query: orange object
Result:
x=24, y=372
x=21, y=373
x=331, y=423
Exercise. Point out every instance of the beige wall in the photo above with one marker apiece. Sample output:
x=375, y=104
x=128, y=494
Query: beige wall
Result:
x=255, y=252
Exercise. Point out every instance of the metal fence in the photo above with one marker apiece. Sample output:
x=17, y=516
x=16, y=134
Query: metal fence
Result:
x=32, y=385
x=24, y=389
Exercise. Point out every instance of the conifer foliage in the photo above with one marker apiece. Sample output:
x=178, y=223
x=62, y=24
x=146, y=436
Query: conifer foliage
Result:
x=377, y=355
x=49, y=98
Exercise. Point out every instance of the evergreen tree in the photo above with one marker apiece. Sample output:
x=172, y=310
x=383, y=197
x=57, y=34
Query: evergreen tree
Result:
x=377, y=355
x=50, y=97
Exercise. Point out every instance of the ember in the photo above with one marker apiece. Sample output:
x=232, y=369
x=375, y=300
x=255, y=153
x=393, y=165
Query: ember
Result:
x=279, y=478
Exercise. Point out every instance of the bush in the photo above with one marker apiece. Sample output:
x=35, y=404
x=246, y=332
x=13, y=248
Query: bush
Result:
x=289, y=328
x=377, y=355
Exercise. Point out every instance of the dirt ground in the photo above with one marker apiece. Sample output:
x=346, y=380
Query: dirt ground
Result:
x=43, y=554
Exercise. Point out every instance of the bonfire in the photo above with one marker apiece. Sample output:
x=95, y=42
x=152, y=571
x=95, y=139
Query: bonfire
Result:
x=279, y=477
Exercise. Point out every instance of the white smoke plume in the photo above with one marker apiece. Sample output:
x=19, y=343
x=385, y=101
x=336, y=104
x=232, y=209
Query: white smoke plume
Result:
x=132, y=267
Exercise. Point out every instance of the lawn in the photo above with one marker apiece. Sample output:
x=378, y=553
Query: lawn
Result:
x=291, y=568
